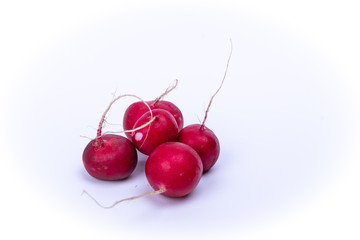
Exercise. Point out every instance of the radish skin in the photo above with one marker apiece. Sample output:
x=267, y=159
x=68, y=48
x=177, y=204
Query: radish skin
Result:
x=162, y=129
x=174, y=167
x=111, y=157
x=203, y=141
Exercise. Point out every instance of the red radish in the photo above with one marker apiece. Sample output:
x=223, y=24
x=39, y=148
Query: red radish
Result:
x=201, y=138
x=109, y=156
x=203, y=141
x=137, y=109
x=173, y=168
x=162, y=129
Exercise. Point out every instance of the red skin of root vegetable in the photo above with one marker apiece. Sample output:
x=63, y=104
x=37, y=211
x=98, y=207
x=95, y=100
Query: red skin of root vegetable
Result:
x=110, y=157
x=137, y=109
x=174, y=167
x=163, y=129
x=203, y=141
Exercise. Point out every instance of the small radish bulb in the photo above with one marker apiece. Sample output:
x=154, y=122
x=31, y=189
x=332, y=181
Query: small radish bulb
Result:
x=174, y=169
x=203, y=141
x=110, y=157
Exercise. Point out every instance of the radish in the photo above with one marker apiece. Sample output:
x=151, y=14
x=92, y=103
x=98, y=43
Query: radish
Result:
x=162, y=129
x=109, y=156
x=203, y=141
x=174, y=169
x=137, y=109
x=201, y=138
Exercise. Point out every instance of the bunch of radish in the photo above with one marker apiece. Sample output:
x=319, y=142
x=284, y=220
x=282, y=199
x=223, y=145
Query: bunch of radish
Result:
x=177, y=155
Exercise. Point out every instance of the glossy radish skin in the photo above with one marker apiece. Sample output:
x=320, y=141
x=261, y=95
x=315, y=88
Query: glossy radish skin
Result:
x=171, y=108
x=162, y=129
x=110, y=157
x=174, y=167
x=203, y=141
x=137, y=109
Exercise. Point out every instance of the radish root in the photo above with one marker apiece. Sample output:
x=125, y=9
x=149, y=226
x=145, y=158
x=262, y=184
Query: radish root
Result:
x=99, y=131
x=134, y=129
x=86, y=137
x=169, y=89
x=161, y=190
x=222, y=82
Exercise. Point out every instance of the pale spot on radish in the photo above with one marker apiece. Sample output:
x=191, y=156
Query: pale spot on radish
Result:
x=138, y=136
x=165, y=166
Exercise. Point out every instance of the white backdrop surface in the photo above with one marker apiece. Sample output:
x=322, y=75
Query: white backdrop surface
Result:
x=287, y=116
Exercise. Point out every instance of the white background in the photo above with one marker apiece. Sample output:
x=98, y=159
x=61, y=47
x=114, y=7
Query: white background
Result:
x=287, y=116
